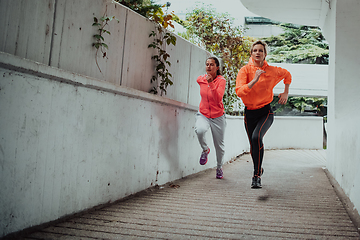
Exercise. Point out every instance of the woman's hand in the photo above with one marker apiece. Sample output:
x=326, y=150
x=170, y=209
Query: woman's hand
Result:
x=283, y=98
x=209, y=78
x=256, y=78
x=257, y=74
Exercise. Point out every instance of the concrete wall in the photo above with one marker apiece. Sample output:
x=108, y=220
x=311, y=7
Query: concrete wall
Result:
x=343, y=115
x=284, y=133
x=60, y=34
x=307, y=80
x=295, y=132
x=260, y=31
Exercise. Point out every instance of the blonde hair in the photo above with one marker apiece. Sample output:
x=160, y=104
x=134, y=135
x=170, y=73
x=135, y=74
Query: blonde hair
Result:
x=261, y=43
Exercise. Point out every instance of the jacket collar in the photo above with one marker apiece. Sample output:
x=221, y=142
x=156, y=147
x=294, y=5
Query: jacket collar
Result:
x=217, y=77
x=251, y=63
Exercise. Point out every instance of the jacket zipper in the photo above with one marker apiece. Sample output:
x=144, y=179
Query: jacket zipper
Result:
x=208, y=100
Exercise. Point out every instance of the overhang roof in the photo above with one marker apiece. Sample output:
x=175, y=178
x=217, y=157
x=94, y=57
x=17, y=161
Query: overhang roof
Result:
x=304, y=12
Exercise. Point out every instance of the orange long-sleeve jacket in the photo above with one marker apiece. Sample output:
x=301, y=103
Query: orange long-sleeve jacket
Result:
x=211, y=104
x=261, y=93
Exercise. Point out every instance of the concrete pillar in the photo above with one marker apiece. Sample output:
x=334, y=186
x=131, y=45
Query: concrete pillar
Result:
x=343, y=33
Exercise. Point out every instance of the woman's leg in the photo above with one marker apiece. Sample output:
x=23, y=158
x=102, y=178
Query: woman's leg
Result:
x=218, y=132
x=201, y=127
x=256, y=129
x=250, y=124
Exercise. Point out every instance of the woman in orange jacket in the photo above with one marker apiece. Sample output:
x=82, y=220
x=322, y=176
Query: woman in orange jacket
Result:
x=211, y=113
x=254, y=85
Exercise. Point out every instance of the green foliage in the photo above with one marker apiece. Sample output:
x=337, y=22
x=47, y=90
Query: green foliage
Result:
x=216, y=33
x=302, y=104
x=150, y=10
x=146, y=8
x=302, y=44
x=99, y=43
x=160, y=39
x=179, y=21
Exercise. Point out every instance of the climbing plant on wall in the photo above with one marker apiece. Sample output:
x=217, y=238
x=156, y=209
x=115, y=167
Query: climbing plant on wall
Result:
x=100, y=45
x=161, y=38
x=162, y=78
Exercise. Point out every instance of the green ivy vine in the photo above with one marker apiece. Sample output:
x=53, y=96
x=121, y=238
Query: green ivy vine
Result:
x=162, y=72
x=162, y=37
x=99, y=43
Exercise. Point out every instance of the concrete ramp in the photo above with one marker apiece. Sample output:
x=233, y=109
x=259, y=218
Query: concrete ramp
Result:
x=297, y=201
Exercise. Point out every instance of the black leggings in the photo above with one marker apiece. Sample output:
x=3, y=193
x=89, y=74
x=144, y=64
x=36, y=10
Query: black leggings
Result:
x=257, y=122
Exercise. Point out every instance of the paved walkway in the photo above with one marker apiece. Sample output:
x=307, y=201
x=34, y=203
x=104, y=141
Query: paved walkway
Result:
x=297, y=201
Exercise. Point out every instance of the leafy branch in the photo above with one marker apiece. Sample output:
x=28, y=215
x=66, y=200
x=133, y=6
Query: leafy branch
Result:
x=298, y=44
x=161, y=39
x=99, y=43
x=161, y=59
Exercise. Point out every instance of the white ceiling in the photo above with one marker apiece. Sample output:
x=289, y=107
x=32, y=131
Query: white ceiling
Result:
x=302, y=12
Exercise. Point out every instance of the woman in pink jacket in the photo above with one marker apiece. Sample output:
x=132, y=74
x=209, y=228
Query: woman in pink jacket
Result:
x=211, y=112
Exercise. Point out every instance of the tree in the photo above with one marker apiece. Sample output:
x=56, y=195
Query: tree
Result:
x=216, y=33
x=298, y=44
x=146, y=8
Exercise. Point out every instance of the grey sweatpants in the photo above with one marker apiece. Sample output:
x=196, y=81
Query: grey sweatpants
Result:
x=217, y=125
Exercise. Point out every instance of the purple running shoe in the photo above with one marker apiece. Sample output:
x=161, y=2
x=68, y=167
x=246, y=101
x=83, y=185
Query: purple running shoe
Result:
x=204, y=157
x=219, y=173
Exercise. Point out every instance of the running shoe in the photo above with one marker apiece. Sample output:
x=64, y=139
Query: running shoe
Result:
x=254, y=182
x=258, y=183
x=204, y=157
x=219, y=173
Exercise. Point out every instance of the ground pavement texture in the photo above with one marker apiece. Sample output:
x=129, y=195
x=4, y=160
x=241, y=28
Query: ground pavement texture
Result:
x=297, y=201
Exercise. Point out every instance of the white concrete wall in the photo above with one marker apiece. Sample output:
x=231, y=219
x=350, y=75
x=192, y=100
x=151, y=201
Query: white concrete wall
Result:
x=343, y=34
x=260, y=31
x=284, y=133
x=309, y=80
x=295, y=133
x=60, y=34
x=30, y=35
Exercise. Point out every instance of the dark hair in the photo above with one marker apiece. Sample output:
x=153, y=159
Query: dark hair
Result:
x=217, y=63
